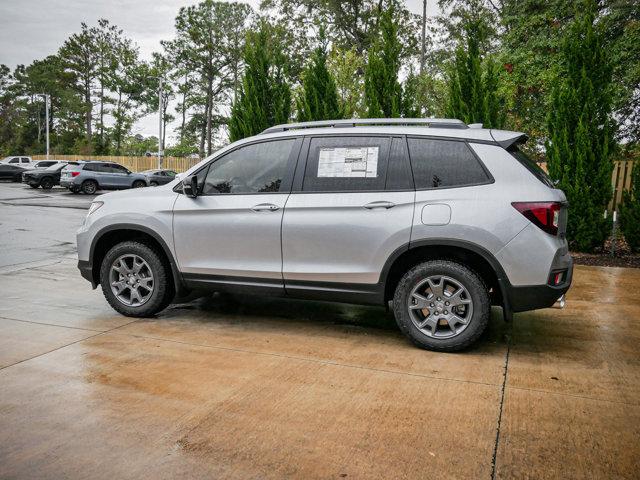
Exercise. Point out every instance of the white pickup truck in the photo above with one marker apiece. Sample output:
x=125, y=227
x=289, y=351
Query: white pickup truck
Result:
x=24, y=162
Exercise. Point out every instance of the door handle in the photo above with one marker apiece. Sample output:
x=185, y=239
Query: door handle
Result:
x=380, y=204
x=265, y=207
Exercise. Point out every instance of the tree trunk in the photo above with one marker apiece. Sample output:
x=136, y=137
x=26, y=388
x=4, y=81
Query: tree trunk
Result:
x=424, y=36
x=87, y=101
x=209, y=109
x=184, y=108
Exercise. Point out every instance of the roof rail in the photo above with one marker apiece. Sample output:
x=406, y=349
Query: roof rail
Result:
x=354, y=122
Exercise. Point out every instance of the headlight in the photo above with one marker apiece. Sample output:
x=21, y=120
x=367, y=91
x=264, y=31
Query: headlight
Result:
x=94, y=206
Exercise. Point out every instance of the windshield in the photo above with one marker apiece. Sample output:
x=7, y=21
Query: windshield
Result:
x=531, y=165
x=56, y=166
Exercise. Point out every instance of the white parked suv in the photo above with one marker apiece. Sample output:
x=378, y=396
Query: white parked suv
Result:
x=430, y=216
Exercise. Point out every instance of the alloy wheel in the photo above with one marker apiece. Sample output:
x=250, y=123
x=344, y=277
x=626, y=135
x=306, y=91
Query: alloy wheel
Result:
x=440, y=306
x=131, y=280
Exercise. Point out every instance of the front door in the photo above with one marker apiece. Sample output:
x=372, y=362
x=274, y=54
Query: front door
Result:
x=230, y=233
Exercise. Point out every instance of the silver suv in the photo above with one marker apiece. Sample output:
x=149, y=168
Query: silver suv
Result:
x=437, y=219
x=89, y=177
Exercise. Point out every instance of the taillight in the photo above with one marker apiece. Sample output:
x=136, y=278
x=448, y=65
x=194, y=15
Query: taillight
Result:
x=545, y=215
x=75, y=174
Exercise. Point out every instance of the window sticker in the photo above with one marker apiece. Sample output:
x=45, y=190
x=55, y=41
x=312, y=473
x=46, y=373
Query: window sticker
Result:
x=352, y=162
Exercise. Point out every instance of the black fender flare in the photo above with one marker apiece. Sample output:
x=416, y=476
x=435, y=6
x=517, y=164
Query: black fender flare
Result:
x=503, y=281
x=177, y=276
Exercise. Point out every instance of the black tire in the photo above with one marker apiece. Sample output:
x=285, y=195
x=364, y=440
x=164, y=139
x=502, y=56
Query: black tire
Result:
x=471, y=281
x=33, y=186
x=74, y=190
x=139, y=184
x=46, y=183
x=154, y=184
x=89, y=187
x=163, y=291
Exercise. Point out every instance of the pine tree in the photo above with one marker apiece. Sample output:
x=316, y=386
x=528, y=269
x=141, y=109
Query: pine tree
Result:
x=382, y=91
x=473, y=83
x=264, y=98
x=580, y=130
x=630, y=210
x=319, y=97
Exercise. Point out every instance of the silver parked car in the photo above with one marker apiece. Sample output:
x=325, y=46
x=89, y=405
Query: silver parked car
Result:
x=437, y=219
x=89, y=177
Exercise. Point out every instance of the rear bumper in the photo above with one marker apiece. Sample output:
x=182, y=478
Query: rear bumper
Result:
x=533, y=297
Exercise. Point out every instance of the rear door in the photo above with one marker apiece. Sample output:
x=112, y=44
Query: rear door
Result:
x=230, y=233
x=351, y=208
x=120, y=176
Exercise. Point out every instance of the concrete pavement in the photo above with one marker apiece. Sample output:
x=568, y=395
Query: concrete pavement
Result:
x=224, y=387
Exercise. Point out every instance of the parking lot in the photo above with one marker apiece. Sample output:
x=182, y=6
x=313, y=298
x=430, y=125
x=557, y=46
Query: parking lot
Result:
x=274, y=388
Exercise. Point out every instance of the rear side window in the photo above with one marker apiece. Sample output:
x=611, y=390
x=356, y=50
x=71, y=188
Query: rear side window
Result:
x=345, y=164
x=531, y=165
x=444, y=163
x=94, y=167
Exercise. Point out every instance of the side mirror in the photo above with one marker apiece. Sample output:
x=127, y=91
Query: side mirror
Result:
x=190, y=186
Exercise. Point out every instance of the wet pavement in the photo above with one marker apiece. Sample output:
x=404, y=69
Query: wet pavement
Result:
x=229, y=387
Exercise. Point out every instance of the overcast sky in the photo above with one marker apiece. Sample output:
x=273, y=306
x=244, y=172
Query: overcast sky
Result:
x=33, y=29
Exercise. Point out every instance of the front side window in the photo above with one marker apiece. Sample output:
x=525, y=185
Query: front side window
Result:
x=14, y=160
x=444, y=163
x=256, y=168
x=339, y=164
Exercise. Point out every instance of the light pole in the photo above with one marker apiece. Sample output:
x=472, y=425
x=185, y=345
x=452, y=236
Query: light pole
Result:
x=47, y=99
x=160, y=123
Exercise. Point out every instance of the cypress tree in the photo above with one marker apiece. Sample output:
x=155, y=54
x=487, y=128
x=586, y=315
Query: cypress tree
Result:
x=630, y=210
x=264, y=98
x=473, y=83
x=319, y=97
x=382, y=91
x=580, y=130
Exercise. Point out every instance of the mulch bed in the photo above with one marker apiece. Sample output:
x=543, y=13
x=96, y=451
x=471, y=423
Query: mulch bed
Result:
x=622, y=256
x=606, y=260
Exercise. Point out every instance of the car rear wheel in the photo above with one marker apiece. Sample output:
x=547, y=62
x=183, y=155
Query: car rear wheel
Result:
x=89, y=187
x=134, y=279
x=442, y=305
x=139, y=184
x=46, y=183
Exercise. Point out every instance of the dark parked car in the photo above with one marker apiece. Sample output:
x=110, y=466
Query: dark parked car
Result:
x=45, y=177
x=159, y=177
x=11, y=172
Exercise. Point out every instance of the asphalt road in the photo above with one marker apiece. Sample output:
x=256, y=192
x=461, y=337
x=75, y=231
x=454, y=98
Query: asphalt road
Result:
x=223, y=387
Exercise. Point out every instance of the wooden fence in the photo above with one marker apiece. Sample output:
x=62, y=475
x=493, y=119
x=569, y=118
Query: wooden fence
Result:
x=135, y=164
x=620, y=179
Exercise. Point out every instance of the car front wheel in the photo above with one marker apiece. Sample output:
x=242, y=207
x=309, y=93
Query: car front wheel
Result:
x=442, y=305
x=46, y=183
x=134, y=279
x=139, y=184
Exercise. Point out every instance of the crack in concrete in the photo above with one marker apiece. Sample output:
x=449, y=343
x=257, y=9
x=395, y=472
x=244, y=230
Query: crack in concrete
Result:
x=502, y=389
x=64, y=346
